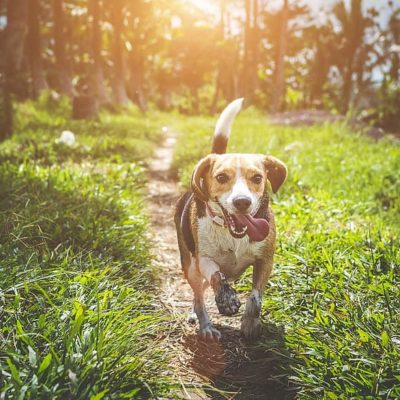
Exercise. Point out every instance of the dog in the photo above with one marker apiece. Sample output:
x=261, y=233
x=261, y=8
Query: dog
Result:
x=225, y=224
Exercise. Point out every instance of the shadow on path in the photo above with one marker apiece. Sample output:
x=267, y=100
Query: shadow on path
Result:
x=245, y=371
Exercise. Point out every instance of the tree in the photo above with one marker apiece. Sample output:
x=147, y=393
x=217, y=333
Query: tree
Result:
x=321, y=39
x=350, y=41
x=175, y=54
x=98, y=87
x=251, y=49
x=279, y=86
x=221, y=42
x=255, y=47
x=139, y=38
x=63, y=70
x=13, y=47
x=246, y=48
x=394, y=40
x=34, y=48
x=118, y=81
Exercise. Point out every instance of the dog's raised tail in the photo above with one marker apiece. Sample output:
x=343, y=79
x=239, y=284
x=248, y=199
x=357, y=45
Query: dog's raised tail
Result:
x=223, y=126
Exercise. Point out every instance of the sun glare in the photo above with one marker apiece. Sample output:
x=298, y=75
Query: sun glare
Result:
x=211, y=7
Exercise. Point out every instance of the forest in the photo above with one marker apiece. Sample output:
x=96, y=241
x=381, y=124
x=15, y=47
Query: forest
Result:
x=193, y=56
x=106, y=107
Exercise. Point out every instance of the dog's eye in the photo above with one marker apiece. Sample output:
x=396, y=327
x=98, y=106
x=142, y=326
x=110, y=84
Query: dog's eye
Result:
x=257, y=179
x=222, y=178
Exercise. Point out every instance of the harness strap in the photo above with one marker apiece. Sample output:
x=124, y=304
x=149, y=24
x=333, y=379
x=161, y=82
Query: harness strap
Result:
x=217, y=219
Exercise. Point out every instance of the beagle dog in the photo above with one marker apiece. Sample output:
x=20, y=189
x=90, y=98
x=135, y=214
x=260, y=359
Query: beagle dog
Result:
x=225, y=224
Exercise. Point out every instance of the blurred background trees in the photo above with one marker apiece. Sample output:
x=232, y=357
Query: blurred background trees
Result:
x=195, y=56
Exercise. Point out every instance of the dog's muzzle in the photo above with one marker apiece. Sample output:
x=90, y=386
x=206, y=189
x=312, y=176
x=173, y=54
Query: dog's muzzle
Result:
x=240, y=225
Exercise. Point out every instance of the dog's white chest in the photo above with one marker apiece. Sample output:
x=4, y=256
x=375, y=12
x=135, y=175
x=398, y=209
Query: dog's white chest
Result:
x=231, y=254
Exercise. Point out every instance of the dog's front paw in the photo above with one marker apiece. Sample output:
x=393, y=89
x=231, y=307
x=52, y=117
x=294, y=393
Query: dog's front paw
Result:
x=227, y=300
x=209, y=333
x=251, y=328
x=226, y=297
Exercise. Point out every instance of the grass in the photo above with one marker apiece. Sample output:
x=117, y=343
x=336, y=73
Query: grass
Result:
x=77, y=311
x=336, y=282
x=112, y=138
x=78, y=316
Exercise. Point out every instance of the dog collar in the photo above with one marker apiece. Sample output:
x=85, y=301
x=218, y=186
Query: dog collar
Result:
x=217, y=219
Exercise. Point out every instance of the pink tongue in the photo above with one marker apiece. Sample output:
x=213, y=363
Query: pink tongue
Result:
x=257, y=228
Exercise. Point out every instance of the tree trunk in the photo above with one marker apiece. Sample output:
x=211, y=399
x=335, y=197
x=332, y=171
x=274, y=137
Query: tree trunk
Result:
x=255, y=49
x=137, y=69
x=98, y=87
x=395, y=67
x=34, y=48
x=119, y=89
x=279, y=85
x=85, y=107
x=166, y=100
x=247, y=44
x=394, y=30
x=347, y=86
x=221, y=38
x=215, y=99
x=64, y=80
x=194, y=109
x=13, y=47
x=318, y=74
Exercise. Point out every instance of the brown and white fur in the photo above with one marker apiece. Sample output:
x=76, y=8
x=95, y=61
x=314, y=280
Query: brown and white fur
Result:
x=225, y=187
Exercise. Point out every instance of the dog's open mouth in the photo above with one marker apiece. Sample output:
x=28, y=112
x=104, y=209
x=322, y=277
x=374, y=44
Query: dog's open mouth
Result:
x=241, y=224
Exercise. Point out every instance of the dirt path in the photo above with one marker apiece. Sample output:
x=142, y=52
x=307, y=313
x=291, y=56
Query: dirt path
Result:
x=244, y=371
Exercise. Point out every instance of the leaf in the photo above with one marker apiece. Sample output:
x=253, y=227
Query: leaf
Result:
x=22, y=334
x=14, y=372
x=41, y=321
x=78, y=321
x=72, y=376
x=363, y=335
x=45, y=363
x=99, y=395
x=78, y=310
x=130, y=394
x=331, y=395
x=385, y=339
x=19, y=328
x=32, y=356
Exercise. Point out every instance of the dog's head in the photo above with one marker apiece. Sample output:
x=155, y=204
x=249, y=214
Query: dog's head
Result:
x=238, y=183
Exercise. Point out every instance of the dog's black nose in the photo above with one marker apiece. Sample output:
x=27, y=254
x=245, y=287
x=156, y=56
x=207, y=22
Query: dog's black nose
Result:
x=242, y=203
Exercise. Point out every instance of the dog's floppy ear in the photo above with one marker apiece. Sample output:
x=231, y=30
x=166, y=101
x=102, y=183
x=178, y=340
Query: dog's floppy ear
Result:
x=276, y=172
x=198, y=184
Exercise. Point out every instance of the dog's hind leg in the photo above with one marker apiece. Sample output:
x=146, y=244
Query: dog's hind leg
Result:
x=207, y=330
x=226, y=297
x=251, y=325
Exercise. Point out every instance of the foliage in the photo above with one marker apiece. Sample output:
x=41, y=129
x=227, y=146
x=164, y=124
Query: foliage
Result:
x=193, y=56
x=386, y=114
x=335, y=287
x=77, y=316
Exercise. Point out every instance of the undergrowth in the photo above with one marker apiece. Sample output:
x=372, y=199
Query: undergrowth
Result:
x=335, y=285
